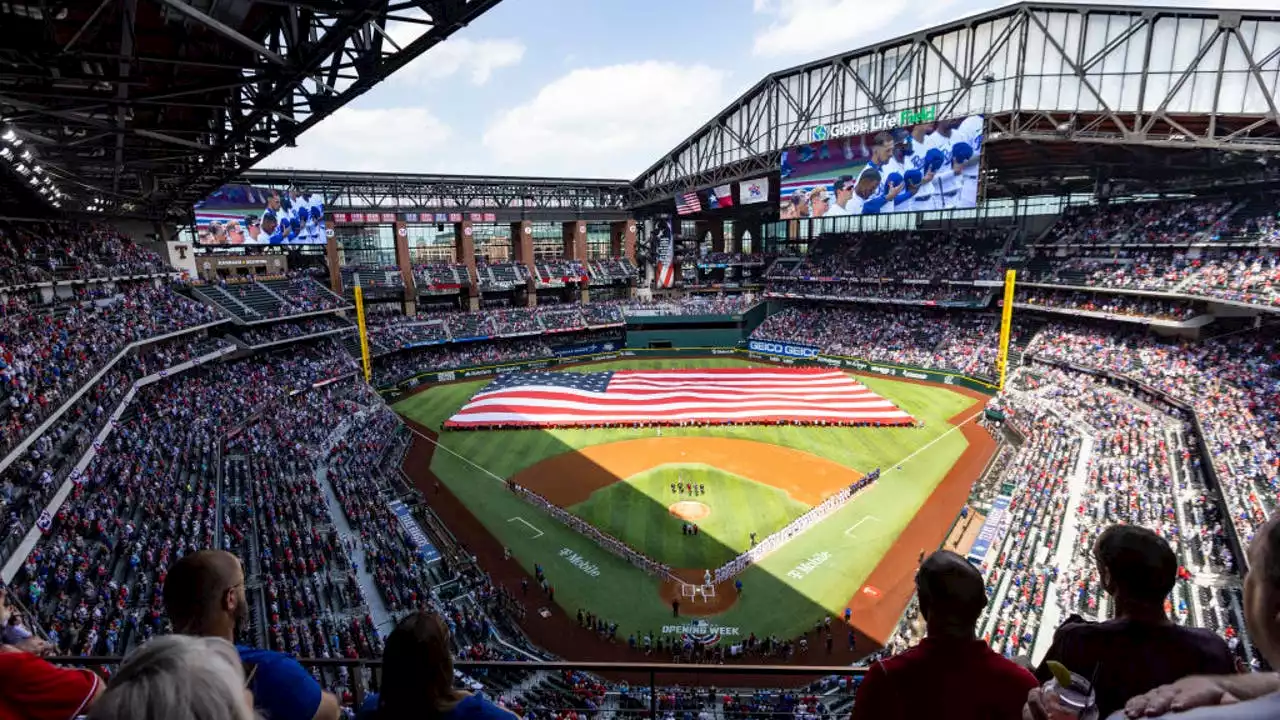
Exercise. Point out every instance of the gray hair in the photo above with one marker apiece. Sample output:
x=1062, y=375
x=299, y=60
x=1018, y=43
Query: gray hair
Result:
x=177, y=677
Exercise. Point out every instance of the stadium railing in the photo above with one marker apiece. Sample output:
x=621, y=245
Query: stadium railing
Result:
x=652, y=682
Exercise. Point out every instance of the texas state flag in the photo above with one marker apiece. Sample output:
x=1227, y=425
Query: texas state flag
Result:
x=724, y=196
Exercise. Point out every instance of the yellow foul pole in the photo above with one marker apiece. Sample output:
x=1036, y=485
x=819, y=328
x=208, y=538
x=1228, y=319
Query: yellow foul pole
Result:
x=1006, y=325
x=364, y=335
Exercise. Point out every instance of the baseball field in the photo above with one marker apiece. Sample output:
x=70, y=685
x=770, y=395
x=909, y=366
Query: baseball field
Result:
x=634, y=484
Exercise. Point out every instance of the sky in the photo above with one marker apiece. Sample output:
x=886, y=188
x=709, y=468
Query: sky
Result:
x=595, y=88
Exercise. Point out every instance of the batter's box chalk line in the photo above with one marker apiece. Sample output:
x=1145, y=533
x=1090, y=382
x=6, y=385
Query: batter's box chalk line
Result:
x=528, y=525
x=854, y=527
x=695, y=591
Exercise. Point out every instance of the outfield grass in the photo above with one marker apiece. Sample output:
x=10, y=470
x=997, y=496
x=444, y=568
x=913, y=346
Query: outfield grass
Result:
x=637, y=509
x=776, y=598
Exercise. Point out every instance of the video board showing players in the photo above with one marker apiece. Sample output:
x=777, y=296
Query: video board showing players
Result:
x=254, y=215
x=927, y=166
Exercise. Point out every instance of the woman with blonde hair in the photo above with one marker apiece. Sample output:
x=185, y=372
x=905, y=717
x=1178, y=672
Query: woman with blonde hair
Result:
x=178, y=677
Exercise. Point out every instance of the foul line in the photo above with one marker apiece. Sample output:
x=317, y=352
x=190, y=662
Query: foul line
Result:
x=858, y=524
x=484, y=470
x=931, y=443
x=528, y=525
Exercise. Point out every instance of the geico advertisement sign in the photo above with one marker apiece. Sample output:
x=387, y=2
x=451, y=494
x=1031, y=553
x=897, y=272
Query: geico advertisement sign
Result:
x=780, y=349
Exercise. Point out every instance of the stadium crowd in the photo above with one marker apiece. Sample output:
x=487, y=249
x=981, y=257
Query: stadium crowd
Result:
x=941, y=255
x=881, y=292
x=944, y=341
x=48, y=351
x=396, y=330
x=42, y=252
x=1228, y=382
x=688, y=305
x=1107, y=304
x=292, y=330
x=396, y=367
x=1155, y=222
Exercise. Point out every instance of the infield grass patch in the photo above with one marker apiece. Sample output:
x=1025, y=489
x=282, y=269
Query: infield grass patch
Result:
x=636, y=512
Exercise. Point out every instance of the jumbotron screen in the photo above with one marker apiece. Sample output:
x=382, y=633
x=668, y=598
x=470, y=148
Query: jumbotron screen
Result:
x=253, y=215
x=924, y=166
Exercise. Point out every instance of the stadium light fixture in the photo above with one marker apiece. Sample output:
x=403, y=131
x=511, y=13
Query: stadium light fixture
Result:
x=26, y=155
x=9, y=135
x=6, y=153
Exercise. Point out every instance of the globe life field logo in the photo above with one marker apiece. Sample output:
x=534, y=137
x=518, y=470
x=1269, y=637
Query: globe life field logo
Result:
x=877, y=123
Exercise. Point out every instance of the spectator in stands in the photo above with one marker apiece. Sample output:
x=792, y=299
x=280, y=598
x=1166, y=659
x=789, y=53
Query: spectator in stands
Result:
x=1234, y=697
x=178, y=678
x=417, y=677
x=32, y=689
x=204, y=596
x=951, y=673
x=1141, y=649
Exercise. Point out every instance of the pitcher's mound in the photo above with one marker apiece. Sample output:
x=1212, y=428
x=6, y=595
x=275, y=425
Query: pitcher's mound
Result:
x=689, y=510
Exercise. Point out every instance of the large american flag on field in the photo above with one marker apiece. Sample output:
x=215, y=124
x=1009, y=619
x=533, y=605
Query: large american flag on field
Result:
x=668, y=397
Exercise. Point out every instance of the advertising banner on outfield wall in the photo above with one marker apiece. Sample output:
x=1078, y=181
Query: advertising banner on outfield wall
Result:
x=785, y=349
x=587, y=349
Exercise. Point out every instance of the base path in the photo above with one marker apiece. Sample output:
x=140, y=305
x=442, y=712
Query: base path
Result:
x=879, y=603
x=570, y=478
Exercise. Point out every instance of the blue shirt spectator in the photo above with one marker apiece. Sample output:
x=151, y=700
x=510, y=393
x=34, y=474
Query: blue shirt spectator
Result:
x=282, y=689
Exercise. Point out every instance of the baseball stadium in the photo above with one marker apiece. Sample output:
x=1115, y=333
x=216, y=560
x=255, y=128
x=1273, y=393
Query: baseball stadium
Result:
x=948, y=359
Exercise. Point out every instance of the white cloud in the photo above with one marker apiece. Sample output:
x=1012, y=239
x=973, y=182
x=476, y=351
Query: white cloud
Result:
x=609, y=121
x=373, y=140
x=478, y=59
x=813, y=28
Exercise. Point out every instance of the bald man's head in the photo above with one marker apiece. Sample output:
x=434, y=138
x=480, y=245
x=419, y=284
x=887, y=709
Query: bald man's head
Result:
x=204, y=594
x=951, y=592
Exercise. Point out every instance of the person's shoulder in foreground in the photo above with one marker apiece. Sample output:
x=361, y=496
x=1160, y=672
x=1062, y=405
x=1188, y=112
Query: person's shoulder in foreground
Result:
x=1266, y=707
x=471, y=707
x=34, y=689
x=1207, y=646
x=476, y=707
x=281, y=687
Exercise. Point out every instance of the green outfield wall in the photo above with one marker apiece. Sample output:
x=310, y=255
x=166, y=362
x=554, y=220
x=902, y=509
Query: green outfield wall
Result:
x=679, y=337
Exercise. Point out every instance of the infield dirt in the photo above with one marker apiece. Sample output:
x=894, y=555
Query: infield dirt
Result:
x=805, y=477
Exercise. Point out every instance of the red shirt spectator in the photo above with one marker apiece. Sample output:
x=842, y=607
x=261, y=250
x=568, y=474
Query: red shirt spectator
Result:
x=951, y=674
x=944, y=678
x=33, y=689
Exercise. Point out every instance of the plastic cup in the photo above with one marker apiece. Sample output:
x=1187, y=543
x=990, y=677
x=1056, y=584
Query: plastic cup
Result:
x=1076, y=702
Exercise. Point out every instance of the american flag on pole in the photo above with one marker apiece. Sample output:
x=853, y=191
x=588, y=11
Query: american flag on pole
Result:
x=687, y=203
x=757, y=396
